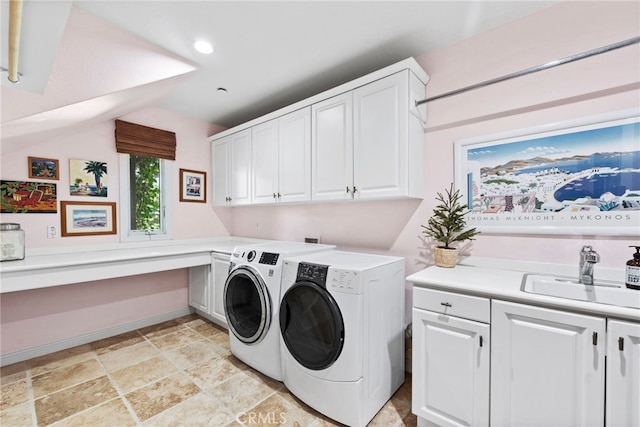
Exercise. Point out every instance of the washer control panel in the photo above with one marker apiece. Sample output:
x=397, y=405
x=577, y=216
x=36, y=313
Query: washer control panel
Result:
x=268, y=258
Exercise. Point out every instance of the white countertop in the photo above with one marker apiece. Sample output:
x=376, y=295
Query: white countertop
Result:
x=497, y=283
x=65, y=265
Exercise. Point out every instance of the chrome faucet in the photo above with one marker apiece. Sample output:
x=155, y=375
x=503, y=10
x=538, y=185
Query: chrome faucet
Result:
x=588, y=259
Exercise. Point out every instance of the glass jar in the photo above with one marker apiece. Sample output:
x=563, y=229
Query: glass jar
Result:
x=11, y=242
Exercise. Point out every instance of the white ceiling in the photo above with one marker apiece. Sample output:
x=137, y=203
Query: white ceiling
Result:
x=267, y=54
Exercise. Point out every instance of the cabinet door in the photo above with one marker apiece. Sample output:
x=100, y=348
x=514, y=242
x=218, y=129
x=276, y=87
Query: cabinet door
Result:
x=264, y=162
x=240, y=168
x=220, y=265
x=294, y=178
x=380, y=142
x=220, y=172
x=450, y=370
x=547, y=367
x=332, y=148
x=623, y=374
x=200, y=287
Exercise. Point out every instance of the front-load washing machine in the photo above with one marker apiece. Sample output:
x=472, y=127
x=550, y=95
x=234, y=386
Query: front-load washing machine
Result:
x=342, y=339
x=251, y=298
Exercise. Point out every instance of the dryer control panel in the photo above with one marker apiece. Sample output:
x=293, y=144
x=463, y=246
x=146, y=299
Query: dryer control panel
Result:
x=314, y=273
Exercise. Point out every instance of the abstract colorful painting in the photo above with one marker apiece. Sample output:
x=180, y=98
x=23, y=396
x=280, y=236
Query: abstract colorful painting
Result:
x=28, y=197
x=577, y=180
x=41, y=168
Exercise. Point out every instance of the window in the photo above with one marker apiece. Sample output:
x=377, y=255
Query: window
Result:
x=145, y=180
x=145, y=195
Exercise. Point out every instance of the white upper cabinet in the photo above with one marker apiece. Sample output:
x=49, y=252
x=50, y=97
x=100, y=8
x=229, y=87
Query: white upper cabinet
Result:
x=380, y=144
x=361, y=140
x=281, y=159
x=366, y=144
x=264, y=162
x=232, y=170
x=332, y=148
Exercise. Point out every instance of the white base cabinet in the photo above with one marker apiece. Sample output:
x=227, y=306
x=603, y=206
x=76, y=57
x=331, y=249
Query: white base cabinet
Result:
x=206, y=288
x=548, y=367
x=450, y=363
x=623, y=374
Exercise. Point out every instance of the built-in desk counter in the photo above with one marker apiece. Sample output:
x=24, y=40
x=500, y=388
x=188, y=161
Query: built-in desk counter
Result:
x=44, y=268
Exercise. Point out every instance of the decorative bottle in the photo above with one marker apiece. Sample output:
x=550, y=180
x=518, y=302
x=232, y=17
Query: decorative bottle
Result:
x=633, y=270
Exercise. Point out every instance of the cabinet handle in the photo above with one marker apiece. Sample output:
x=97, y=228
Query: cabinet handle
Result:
x=274, y=195
x=279, y=195
x=446, y=304
x=355, y=190
x=621, y=344
x=348, y=190
x=481, y=340
x=595, y=338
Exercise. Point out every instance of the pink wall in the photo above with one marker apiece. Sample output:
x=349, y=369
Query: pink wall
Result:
x=98, y=143
x=609, y=82
x=44, y=316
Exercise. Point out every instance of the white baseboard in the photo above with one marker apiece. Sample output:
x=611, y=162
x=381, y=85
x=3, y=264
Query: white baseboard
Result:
x=41, y=350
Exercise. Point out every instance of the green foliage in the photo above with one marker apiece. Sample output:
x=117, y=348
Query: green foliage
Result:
x=447, y=224
x=145, y=193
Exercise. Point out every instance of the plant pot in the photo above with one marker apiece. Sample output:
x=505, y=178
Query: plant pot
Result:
x=445, y=257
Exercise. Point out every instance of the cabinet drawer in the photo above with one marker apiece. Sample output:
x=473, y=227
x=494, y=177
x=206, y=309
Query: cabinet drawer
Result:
x=452, y=304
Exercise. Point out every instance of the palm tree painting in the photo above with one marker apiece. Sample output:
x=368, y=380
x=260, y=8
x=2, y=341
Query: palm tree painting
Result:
x=88, y=178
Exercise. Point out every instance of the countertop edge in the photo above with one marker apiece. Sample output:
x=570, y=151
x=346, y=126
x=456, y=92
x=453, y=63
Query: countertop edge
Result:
x=505, y=285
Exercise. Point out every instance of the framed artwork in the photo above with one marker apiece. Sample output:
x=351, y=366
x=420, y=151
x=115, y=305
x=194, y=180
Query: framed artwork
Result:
x=580, y=177
x=87, y=178
x=87, y=218
x=43, y=168
x=28, y=197
x=193, y=186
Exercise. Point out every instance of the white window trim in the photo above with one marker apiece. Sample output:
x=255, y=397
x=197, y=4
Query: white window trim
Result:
x=126, y=234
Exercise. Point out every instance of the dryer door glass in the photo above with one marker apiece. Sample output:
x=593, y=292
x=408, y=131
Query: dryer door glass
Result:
x=247, y=305
x=312, y=326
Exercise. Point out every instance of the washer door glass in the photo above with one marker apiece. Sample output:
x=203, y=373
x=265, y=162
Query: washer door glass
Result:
x=247, y=305
x=312, y=326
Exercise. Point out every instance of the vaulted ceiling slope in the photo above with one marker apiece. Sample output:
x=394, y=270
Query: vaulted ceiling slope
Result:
x=88, y=60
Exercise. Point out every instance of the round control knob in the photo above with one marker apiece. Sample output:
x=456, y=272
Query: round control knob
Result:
x=251, y=256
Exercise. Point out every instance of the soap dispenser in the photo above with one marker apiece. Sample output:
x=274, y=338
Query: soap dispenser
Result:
x=633, y=270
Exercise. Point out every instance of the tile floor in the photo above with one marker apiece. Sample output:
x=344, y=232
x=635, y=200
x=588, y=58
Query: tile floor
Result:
x=177, y=373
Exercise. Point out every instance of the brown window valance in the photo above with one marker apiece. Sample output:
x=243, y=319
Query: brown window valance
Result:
x=141, y=140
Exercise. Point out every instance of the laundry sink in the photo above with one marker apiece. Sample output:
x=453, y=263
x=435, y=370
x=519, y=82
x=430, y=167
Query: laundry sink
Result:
x=602, y=292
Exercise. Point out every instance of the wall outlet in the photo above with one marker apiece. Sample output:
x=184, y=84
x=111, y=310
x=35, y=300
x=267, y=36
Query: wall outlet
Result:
x=52, y=231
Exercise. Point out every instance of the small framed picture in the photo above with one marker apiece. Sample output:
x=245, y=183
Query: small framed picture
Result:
x=42, y=168
x=87, y=218
x=193, y=186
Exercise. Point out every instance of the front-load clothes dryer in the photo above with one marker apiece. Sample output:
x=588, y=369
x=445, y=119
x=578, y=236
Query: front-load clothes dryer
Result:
x=251, y=298
x=342, y=332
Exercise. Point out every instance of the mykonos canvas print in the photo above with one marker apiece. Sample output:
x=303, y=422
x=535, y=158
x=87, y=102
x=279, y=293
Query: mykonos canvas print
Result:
x=580, y=179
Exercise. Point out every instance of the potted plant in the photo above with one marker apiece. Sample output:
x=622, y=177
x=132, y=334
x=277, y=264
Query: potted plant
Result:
x=447, y=226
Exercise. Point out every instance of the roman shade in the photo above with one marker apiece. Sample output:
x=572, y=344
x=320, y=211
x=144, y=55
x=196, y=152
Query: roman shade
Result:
x=144, y=141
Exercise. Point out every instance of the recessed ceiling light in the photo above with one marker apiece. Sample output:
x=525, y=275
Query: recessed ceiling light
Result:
x=203, y=47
